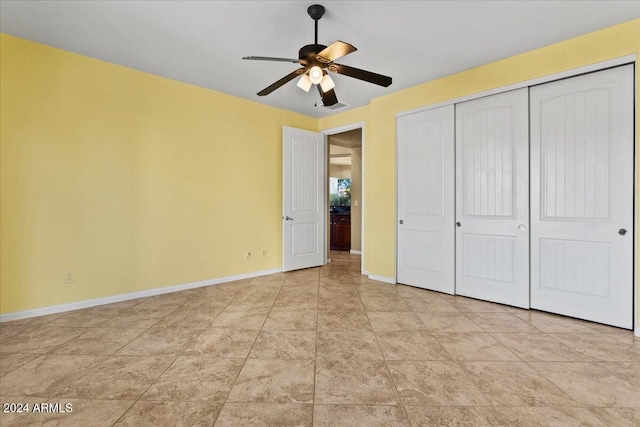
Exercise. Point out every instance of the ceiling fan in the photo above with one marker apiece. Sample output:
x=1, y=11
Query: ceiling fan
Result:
x=315, y=59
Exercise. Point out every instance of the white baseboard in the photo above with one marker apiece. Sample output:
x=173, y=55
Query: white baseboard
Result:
x=382, y=279
x=125, y=297
x=636, y=331
x=355, y=252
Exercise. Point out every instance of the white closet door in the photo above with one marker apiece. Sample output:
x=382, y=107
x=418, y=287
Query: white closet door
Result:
x=582, y=176
x=426, y=199
x=492, y=198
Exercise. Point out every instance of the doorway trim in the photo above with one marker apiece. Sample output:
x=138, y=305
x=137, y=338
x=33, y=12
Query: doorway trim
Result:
x=341, y=129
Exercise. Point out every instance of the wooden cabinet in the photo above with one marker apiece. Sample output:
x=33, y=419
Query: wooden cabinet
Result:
x=340, y=232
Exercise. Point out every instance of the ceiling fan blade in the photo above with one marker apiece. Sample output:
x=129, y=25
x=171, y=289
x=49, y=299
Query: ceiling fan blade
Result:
x=357, y=73
x=329, y=97
x=269, y=58
x=335, y=51
x=281, y=82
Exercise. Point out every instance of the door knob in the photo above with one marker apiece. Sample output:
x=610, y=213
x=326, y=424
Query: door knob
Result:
x=401, y=222
x=458, y=224
x=622, y=232
x=521, y=227
x=288, y=218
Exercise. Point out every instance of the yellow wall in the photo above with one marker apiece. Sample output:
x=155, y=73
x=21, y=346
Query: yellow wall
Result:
x=134, y=181
x=129, y=180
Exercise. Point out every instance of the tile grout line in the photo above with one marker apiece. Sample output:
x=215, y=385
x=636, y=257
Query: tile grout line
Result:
x=401, y=404
x=315, y=356
x=243, y=363
x=106, y=357
x=246, y=358
x=135, y=401
x=124, y=413
x=554, y=385
x=138, y=399
x=456, y=362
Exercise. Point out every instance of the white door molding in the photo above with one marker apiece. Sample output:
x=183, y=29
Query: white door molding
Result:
x=346, y=128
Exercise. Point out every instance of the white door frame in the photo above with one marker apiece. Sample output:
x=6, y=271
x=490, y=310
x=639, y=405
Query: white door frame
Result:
x=636, y=205
x=341, y=129
x=627, y=59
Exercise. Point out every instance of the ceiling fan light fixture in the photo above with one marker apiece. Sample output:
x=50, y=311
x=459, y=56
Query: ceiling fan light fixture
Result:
x=315, y=75
x=304, y=83
x=314, y=59
x=327, y=83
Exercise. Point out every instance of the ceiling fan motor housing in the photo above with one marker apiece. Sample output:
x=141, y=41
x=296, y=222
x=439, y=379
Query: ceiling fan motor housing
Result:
x=309, y=52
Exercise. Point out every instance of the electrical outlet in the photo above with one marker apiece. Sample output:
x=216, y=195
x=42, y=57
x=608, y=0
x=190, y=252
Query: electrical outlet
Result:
x=69, y=277
x=247, y=256
x=264, y=253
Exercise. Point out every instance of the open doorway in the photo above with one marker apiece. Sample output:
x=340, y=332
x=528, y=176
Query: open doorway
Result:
x=345, y=184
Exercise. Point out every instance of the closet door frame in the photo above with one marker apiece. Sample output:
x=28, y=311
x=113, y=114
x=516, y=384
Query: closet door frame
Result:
x=628, y=59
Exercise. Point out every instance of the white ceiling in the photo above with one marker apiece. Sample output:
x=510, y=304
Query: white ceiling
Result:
x=202, y=42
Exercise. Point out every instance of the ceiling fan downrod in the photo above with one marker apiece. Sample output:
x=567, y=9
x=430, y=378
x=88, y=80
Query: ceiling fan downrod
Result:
x=316, y=11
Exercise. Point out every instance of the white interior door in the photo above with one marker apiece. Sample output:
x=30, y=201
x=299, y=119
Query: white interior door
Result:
x=492, y=198
x=426, y=243
x=304, y=198
x=582, y=170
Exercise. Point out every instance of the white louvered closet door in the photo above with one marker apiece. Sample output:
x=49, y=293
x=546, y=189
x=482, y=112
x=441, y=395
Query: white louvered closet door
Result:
x=582, y=212
x=492, y=198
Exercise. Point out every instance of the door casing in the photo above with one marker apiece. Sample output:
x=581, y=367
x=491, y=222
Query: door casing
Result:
x=334, y=131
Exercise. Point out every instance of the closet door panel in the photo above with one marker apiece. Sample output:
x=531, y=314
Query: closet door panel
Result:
x=492, y=198
x=582, y=179
x=426, y=199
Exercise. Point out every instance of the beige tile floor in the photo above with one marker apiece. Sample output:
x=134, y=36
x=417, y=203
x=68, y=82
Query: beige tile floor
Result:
x=323, y=347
